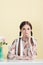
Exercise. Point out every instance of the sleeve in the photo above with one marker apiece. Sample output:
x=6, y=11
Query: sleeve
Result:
x=11, y=52
x=34, y=49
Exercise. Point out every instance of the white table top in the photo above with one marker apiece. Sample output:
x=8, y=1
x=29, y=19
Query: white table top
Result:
x=21, y=62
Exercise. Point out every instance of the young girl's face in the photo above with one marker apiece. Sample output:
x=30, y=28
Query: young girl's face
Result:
x=26, y=31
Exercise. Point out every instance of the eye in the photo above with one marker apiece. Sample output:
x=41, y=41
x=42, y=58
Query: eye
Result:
x=23, y=28
x=27, y=28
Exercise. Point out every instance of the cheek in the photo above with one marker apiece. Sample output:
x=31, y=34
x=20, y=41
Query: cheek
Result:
x=23, y=32
x=28, y=31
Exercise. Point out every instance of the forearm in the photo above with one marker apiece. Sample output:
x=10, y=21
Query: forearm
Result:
x=27, y=58
x=23, y=58
x=11, y=56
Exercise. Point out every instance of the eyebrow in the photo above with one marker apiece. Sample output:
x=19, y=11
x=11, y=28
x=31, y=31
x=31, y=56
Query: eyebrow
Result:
x=27, y=28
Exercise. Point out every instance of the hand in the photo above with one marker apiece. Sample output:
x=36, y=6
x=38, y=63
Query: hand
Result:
x=19, y=57
x=27, y=58
x=23, y=58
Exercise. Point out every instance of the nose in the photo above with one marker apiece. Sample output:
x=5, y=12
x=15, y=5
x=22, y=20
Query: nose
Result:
x=25, y=31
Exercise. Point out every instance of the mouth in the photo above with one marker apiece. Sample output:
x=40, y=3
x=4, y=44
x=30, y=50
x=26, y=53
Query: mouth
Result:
x=26, y=33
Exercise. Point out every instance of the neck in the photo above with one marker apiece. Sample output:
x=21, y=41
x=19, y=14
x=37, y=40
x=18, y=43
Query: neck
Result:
x=25, y=39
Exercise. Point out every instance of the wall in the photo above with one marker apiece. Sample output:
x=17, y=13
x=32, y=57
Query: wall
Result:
x=13, y=12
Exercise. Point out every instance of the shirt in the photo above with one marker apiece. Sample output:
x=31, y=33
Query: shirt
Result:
x=25, y=48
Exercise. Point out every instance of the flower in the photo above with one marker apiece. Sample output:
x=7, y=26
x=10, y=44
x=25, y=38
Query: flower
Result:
x=2, y=41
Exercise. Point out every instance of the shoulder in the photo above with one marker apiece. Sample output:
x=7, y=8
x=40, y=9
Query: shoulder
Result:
x=14, y=41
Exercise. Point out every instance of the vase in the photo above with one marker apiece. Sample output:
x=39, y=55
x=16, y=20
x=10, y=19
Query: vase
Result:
x=1, y=54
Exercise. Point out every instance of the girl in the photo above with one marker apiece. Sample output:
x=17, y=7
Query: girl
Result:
x=25, y=47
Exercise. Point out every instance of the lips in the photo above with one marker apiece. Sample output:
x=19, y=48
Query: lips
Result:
x=26, y=33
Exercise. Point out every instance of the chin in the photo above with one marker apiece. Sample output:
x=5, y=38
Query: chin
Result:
x=27, y=36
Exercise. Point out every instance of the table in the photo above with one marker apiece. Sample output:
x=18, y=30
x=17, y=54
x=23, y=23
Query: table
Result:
x=22, y=62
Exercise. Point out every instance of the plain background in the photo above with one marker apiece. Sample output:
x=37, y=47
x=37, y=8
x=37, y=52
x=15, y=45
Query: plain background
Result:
x=13, y=12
